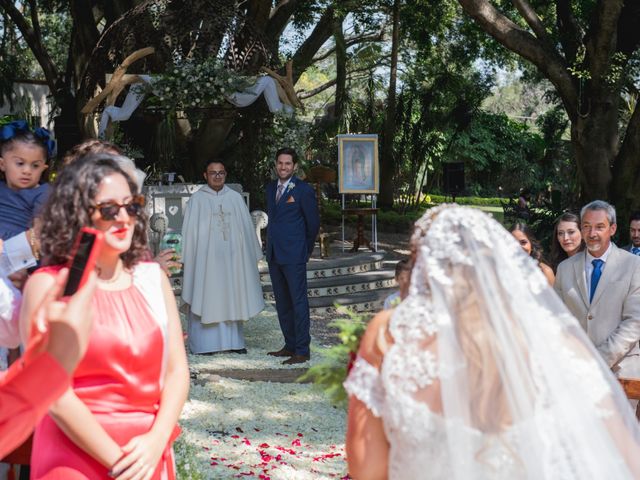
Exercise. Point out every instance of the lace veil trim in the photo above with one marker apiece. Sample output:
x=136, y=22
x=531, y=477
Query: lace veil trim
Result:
x=364, y=383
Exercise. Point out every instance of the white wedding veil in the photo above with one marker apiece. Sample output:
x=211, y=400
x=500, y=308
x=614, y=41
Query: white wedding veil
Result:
x=518, y=383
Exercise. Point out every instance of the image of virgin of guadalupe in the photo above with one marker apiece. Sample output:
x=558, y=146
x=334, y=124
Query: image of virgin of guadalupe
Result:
x=357, y=169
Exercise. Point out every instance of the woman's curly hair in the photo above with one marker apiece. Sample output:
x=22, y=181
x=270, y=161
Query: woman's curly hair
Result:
x=68, y=209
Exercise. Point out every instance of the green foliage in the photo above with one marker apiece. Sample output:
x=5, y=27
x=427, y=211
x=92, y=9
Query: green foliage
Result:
x=388, y=220
x=577, y=68
x=500, y=154
x=186, y=461
x=252, y=158
x=477, y=201
x=440, y=98
x=129, y=150
x=521, y=98
x=332, y=371
x=399, y=222
x=56, y=25
x=616, y=68
x=16, y=59
x=8, y=69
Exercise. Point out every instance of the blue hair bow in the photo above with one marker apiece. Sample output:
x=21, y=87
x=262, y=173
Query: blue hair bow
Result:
x=11, y=129
x=45, y=135
x=8, y=131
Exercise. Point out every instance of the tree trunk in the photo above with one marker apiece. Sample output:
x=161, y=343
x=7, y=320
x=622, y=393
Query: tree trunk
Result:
x=66, y=127
x=341, y=69
x=626, y=171
x=595, y=141
x=387, y=161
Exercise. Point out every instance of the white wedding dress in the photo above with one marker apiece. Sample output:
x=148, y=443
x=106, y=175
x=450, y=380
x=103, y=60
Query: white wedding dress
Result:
x=555, y=410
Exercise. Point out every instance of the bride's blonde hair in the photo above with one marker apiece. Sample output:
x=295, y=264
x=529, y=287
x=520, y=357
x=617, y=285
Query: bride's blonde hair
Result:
x=489, y=409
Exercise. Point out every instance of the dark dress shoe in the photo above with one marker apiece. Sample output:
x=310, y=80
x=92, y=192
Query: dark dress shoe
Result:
x=241, y=351
x=283, y=352
x=296, y=359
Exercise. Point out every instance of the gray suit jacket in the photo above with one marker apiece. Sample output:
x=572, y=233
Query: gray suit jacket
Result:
x=612, y=320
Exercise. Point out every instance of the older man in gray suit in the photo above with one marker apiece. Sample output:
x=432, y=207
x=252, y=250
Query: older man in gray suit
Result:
x=601, y=287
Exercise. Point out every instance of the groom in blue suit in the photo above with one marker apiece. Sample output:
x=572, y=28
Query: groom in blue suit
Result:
x=291, y=234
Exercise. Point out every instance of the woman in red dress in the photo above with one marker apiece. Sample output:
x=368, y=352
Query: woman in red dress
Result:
x=120, y=416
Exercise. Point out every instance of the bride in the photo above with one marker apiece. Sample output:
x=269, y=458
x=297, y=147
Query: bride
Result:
x=482, y=373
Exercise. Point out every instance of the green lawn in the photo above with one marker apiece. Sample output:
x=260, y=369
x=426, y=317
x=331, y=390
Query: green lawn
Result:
x=495, y=211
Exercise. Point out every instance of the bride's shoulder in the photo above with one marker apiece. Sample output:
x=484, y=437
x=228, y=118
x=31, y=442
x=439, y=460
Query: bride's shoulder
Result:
x=376, y=338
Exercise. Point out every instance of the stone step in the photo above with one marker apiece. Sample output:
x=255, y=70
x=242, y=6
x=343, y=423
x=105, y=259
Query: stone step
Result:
x=366, y=302
x=343, y=284
x=344, y=264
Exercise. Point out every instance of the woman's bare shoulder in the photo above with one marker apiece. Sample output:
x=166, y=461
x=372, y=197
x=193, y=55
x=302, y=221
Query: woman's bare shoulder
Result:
x=370, y=345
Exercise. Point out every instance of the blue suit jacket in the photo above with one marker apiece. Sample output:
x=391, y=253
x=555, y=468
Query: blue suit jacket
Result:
x=293, y=222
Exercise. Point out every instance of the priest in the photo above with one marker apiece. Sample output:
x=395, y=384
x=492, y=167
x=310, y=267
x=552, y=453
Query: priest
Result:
x=220, y=253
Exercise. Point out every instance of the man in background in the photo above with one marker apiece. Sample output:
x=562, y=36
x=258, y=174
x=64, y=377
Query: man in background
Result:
x=220, y=254
x=291, y=233
x=634, y=234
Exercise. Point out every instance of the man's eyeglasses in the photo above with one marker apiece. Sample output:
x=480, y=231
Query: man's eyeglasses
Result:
x=109, y=210
x=221, y=173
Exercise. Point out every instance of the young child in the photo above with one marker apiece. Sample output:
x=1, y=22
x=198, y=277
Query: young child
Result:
x=23, y=159
x=403, y=278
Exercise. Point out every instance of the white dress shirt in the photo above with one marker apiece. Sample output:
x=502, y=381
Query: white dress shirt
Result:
x=285, y=186
x=16, y=255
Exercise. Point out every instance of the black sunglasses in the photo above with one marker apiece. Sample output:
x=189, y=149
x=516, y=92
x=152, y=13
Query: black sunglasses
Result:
x=109, y=210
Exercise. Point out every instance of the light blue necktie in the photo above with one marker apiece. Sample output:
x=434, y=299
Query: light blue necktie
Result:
x=635, y=250
x=595, y=276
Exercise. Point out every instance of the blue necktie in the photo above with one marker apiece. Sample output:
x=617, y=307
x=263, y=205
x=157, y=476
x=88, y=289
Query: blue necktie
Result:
x=635, y=250
x=595, y=276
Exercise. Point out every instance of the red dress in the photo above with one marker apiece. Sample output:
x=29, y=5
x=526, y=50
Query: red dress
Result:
x=27, y=390
x=119, y=379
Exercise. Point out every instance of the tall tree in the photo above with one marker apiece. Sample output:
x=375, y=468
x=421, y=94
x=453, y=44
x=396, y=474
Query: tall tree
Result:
x=387, y=164
x=589, y=52
x=62, y=66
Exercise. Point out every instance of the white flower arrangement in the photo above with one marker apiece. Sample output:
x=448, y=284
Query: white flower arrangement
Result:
x=185, y=82
x=290, y=186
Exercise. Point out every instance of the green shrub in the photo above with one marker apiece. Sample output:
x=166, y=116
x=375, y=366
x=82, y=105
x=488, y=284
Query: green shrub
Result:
x=329, y=374
x=493, y=201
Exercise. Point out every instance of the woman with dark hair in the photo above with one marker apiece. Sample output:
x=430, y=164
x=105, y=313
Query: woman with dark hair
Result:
x=94, y=147
x=567, y=239
x=527, y=240
x=120, y=417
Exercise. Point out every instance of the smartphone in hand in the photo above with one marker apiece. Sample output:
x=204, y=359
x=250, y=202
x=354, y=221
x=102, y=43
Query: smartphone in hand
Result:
x=85, y=253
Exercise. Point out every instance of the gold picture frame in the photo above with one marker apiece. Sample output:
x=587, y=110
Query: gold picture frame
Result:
x=358, y=164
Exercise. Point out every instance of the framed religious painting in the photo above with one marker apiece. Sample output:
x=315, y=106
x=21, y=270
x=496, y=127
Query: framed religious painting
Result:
x=358, y=164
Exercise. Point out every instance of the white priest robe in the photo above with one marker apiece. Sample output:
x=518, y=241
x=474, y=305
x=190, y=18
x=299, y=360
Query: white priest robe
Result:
x=221, y=284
